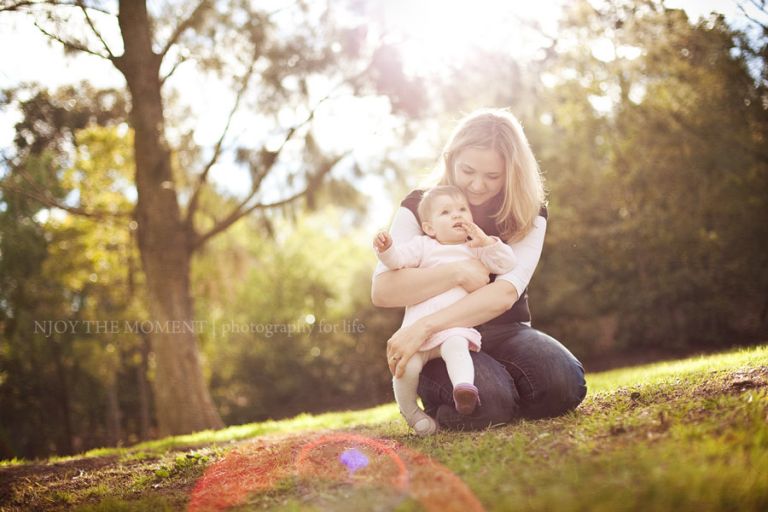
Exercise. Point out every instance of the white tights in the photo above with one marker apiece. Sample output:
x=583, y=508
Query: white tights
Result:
x=455, y=353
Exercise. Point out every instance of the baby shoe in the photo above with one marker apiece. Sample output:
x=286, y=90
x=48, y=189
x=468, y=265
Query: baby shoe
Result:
x=422, y=423
x=465, y=398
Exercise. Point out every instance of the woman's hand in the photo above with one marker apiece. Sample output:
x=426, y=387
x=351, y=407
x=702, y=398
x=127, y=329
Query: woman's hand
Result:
x=403, y=344
x=471, y=274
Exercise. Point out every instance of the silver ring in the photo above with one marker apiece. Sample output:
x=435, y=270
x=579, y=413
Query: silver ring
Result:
x=395, y=358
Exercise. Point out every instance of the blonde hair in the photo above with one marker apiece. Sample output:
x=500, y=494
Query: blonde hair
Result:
x=523, y=190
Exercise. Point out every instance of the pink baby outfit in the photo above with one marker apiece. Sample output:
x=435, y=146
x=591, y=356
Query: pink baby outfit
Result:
x=424, y=252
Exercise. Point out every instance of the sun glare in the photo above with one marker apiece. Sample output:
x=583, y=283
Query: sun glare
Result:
x=434, y=34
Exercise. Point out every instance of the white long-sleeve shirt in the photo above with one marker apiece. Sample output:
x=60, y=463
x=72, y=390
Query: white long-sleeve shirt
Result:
x=527, y=250
x=425, y=251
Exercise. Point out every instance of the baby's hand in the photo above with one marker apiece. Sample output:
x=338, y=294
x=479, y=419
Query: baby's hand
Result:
x=382, y=241
x=477, y=235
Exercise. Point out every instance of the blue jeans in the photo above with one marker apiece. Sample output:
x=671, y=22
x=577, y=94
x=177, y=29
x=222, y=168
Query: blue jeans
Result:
x=520, y=373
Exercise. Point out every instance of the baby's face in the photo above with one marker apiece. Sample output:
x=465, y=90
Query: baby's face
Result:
x=447, y=215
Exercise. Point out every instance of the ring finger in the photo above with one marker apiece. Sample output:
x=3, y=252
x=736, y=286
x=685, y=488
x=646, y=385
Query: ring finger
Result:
x=393, y=360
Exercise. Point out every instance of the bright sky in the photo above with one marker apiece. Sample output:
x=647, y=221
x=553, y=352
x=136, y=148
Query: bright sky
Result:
x=435, y=32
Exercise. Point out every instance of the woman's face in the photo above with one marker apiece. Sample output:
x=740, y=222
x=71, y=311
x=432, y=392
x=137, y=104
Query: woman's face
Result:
x=479, y=173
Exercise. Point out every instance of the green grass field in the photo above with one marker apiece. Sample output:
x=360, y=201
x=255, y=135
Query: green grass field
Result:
x=683, y=435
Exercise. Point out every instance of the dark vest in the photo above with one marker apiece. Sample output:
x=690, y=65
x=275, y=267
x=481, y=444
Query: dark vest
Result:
x=519, y=312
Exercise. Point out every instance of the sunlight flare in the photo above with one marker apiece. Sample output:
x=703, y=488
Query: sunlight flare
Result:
x=432, y=34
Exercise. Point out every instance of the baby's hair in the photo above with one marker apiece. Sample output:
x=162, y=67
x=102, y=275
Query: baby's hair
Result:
x=428, y=199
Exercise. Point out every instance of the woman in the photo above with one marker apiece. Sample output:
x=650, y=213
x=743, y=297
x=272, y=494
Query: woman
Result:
x=521, y=372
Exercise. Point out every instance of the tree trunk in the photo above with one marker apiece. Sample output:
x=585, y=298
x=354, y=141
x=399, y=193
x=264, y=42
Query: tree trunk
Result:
x=114, y=416
x=142, y=370
x=67, y=446
x=182, y=400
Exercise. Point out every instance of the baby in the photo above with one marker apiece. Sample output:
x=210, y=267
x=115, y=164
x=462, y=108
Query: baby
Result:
x=447, y=221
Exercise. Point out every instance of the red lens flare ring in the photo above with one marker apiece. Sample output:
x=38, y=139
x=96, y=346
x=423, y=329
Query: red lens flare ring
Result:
x=339, y=458
x=400, y=482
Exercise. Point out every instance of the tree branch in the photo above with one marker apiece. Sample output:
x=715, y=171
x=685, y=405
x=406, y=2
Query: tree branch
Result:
x=93, y=27
x=283, y=8
x=27, y=3
x=238, y=213
x=184, y=25
x=241, y=210
x=71, y=45
x=761, y=6
x=45, y=198
x=38, y=193
x=752, y=18
x=275, y=156
x=192, y=207
x=179, y=62
x=295, y=128
x=16, y=6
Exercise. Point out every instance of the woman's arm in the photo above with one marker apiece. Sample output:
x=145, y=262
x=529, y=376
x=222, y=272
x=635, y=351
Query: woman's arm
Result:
x=479, y=306
x=404, y=287
x=408, y=286
x=528, y=252
x=476, y=308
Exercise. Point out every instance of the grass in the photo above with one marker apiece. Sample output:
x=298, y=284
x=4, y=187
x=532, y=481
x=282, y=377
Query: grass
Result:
x=301, y=423
x=685, y=435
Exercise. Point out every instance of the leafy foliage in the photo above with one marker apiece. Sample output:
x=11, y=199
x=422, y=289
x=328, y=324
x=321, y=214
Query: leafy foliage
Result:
x=283, y=321
x=650, y=129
